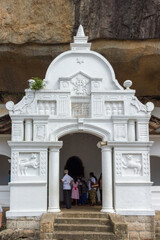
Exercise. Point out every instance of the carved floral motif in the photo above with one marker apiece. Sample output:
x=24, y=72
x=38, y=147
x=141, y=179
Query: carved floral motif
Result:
x=80, y=85
x=79, y=60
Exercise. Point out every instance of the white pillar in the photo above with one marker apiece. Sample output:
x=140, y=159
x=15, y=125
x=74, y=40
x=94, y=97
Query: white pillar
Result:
x=131, y=131
x=54, y=179
x=28, y=130
x=107, y=189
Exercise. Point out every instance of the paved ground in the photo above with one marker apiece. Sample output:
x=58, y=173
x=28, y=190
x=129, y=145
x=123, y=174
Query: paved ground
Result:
x=85, y=208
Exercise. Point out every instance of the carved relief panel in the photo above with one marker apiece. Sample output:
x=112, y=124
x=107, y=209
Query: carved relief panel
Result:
x=98, y=107
x=29, y=164
x=63, y=106
x=46, y=107
x=40, y=133
x=132, y=164
x=142, y=130
x=114, y=108
x=120, y=132
x=80, y=110
x=17, y=130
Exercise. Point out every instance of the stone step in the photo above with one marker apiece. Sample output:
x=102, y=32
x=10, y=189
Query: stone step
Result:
x=157, y=236
x=82, y=227
x=80, y=235
x=157, y=224
x=83, y=215
x=75, y=220
x=157, y=229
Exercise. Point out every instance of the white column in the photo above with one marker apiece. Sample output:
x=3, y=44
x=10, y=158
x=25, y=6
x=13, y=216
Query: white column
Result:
x=131, y=131
x=28, y=130
x=54, y=179
x=107, y=189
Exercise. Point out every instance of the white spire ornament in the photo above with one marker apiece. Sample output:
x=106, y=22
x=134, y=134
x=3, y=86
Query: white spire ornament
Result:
x=80, y=32
x=80, y=41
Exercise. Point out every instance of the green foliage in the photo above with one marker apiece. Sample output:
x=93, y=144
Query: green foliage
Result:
x=38, y=84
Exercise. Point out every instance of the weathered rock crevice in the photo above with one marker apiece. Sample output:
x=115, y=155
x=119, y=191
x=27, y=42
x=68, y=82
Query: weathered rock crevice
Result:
x=135, y=60
x=127, y=33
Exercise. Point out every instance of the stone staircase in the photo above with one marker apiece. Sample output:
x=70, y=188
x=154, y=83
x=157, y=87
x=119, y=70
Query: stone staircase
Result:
x=157, y=225
x=81, y=226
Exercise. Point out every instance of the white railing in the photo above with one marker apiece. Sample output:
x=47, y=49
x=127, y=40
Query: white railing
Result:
x=4, y=195
x=155, y=197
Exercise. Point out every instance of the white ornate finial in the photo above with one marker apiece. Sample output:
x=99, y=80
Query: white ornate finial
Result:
x=80, y=41
x=127, y=84
x=149, y=106
x=80, y=32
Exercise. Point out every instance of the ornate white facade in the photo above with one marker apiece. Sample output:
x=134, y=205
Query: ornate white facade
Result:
x=81, y=94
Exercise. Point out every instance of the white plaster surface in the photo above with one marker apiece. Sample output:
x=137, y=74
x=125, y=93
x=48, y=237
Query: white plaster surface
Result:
x=81, y=96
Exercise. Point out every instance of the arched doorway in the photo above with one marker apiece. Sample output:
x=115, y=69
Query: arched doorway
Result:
x=4, y=179
x=75, y=167
x=80, y=155
x=155, y=166
x=4, y=170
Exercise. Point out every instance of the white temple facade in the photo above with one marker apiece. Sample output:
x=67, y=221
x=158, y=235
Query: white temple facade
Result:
x=81, y=95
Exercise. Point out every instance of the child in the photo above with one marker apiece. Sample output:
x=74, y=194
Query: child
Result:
x=0, y=216
x=75, y=191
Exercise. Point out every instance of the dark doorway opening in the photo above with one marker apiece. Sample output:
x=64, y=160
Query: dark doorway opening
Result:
x=75, y=167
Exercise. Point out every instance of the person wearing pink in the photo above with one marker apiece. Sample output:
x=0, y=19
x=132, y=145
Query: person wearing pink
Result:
x=0, y=216
x=75, y=191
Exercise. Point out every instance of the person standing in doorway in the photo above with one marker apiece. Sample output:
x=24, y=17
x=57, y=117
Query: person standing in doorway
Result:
x=67, y=181
x=93, y=192
x=100, y=187
x=0, y=216
x=75, y=191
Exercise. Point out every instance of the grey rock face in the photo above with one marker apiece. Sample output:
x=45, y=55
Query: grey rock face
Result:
x=119, y=19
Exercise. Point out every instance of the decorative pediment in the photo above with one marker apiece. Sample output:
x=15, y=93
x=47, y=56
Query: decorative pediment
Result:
x=80, y=84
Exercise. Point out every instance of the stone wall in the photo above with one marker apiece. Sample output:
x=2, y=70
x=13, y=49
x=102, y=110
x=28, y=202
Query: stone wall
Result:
x=34, y=32
x=157, y=225
x=141, y=227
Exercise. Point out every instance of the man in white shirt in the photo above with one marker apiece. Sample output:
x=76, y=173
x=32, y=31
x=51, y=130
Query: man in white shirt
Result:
x=67, y=180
